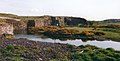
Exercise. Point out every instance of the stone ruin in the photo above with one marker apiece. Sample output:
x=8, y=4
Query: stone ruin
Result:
x=57, y=21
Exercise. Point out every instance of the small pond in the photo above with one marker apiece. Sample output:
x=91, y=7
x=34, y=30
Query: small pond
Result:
x=77, y=42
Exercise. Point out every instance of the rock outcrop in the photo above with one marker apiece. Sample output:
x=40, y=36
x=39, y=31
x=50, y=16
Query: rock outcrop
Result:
x=25, y=22
x=18, y=25
x=58, y=21
x=6, y=28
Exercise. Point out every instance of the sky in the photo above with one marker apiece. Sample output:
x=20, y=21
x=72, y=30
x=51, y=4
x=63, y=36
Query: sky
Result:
x=89, y=9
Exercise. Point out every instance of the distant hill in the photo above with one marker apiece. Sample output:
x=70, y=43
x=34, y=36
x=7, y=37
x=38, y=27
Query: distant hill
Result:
x=7, y=15
x=112, y=20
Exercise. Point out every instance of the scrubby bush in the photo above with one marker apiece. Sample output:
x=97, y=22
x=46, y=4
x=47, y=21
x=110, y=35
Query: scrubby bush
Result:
x=8, y=36
x=54, y=30
x=88, y=33
x=92, y=33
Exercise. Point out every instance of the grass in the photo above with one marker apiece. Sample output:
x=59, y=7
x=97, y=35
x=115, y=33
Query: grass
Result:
x=113, y=34
x=80, y=28
x=110, y=35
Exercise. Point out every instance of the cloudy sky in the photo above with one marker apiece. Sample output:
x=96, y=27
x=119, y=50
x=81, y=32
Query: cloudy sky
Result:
x=89, y=9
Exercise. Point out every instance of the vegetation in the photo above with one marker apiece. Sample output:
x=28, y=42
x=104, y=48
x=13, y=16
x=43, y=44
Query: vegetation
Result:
x=65, y=33
x=92, y=53
x=8, y=36
x=54, y=30
x=110, y=32
x=13, y=52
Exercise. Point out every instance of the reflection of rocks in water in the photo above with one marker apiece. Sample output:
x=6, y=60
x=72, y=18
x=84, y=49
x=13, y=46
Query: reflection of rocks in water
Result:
x=85, y=40
x=108, y=39
x=42, y=36
x=20, y=32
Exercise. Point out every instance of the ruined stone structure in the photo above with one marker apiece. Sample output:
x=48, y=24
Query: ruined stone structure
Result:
x=57, y=21
x=6, y=28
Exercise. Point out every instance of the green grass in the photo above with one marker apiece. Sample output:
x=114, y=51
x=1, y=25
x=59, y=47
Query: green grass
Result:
x=113, y=34
x=105, y=24
x=80, y=28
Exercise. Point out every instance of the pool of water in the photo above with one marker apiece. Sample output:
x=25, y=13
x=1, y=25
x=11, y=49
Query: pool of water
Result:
x=77, y=42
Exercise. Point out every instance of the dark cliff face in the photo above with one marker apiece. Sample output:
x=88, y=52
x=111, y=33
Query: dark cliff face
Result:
x=74, y=21
x=55, y=21
x=31, y=23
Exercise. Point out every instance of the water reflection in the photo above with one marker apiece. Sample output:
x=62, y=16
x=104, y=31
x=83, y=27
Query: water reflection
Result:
x=77, y=42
